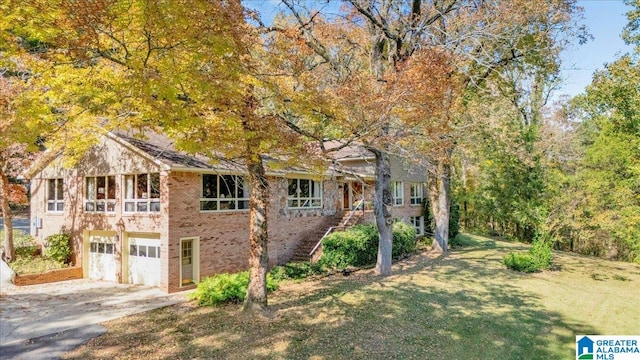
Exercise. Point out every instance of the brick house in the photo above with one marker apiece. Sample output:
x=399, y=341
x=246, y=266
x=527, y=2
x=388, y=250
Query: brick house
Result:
x=140, y=212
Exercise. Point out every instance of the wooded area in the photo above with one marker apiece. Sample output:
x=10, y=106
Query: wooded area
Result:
x=460, y=87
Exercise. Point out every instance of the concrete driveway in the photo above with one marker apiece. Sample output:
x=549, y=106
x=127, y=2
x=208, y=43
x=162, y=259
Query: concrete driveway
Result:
x=45, y=321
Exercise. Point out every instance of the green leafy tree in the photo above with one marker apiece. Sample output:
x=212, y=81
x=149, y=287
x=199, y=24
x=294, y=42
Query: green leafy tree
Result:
x=41, y=105
x=432, y=58
x=607, y=178
x=190, y=69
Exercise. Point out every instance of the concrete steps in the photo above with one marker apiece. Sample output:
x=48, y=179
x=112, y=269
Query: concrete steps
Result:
x=343, y=220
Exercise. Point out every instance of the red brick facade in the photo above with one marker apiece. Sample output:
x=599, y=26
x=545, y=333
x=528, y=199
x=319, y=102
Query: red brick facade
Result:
x=222, y=237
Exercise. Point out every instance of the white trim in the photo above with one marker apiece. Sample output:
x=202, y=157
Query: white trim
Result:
x=95, y=201
x=195, y=259
x=238, y=179
x=135, y=200
x=420, y=195
x=419, y=226
x=307, y=199
x=394, y=188
x=58, y=198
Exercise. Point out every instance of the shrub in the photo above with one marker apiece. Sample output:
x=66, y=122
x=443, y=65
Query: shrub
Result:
x=404, y=239
x=224, y=288
x=522, y=262
x=538, y=258
x=27, y=251
x=57, y=247
x=296, y=271
x=541, y=253
x=23, y=243
x=358, y=246
x=35, y=265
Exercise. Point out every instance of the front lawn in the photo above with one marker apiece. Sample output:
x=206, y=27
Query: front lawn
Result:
x=462, y=306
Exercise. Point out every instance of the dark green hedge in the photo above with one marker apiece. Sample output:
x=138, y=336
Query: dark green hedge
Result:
x=358, y=246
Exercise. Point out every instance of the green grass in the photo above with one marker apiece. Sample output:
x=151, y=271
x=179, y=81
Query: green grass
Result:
x=24, y=265
x=462, y=306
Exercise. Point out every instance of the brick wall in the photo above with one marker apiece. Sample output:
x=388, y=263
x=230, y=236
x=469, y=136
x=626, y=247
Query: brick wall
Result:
x=107, y=158
x=49, y=276
x=224, y=236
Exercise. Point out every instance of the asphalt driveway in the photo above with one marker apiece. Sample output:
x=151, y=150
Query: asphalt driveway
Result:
x=45, y=321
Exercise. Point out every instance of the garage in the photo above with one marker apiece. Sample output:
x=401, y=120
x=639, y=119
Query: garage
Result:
x=144, y=259
x=101, y=257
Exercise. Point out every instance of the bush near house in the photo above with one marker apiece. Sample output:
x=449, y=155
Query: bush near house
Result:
x=23, y=243
x=358, y=246
x=296, y=271
x=404, y=240
x=57, y=247
x=225, y=288
x=28, y=259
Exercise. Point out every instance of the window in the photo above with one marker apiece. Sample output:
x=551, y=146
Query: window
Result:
x=142, y=193
x=416, y=194
x=187, y=252
x=224, y=192
x=100, y=194
x=54, y=195
x=304, y=193
x=418, y=222
x=147, y=251
x=102, y=248
x=398, y=193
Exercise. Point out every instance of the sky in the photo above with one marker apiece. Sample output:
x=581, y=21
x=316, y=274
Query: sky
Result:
x=604, y=19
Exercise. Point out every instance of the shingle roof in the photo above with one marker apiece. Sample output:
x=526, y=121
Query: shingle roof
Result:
x=161, y=148
x=350, y=152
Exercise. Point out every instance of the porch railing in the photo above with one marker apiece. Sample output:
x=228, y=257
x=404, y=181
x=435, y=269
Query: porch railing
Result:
x=343, y=226
x=353, y=212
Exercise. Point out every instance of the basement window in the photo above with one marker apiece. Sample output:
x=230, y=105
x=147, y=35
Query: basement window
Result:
x=418, y=223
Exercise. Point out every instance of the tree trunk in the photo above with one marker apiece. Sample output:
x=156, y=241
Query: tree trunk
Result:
x=256, y=300
x=382, y=203
x=9, y=253
x=439, y=196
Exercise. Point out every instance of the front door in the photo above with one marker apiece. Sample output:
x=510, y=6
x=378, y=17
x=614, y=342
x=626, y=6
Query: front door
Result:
x=187, y=261
x=352, y=194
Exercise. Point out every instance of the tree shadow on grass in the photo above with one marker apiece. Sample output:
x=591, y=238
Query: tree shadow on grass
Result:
x=452, y=307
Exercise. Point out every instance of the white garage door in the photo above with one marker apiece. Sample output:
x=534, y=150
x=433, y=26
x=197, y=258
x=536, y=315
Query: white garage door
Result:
x=144, y=259
x=102, y=259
